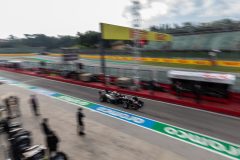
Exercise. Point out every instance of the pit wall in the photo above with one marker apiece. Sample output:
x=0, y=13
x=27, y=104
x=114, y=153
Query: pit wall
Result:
x=161, y=60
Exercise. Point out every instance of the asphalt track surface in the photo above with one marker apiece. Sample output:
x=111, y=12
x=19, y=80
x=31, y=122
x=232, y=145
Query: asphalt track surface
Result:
x=208, y=123
x=106, y=136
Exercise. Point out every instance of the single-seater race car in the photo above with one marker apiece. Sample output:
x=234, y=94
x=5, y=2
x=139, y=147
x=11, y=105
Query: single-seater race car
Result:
x=132, y=103
x=111, y=97
x=120, y=99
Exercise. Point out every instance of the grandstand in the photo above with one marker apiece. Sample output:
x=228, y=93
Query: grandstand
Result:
x=198, y=45
x=222, y=41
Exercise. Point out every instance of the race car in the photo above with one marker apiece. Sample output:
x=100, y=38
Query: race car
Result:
x=132, y=103
x=111, y=97
x=120, y=99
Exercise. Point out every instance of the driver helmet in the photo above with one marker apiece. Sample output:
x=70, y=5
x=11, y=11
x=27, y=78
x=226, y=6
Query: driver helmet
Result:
x=135, y=98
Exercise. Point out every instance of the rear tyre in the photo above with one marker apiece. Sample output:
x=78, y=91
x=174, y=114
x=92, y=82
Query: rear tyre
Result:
x=125, y=105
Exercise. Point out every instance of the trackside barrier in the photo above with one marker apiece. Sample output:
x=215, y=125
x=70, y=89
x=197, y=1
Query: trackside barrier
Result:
x=213, y=108
x=145, y=75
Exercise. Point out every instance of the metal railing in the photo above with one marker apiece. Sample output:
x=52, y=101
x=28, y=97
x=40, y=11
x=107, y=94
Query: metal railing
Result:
x=144, y=75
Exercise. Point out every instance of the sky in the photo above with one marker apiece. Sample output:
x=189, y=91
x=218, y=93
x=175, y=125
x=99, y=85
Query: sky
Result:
x=67, y=17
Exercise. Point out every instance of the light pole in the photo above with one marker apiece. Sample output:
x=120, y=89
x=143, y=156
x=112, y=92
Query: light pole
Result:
x=136, y=23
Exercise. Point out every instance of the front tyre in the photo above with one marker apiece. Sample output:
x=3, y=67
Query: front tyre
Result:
x=101, y=99
x=135, y=108
x=108, y=100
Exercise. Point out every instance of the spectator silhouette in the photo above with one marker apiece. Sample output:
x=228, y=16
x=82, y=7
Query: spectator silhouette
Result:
x=34, y=105
x=80, y=126
x=45, y=127
x=52, y=143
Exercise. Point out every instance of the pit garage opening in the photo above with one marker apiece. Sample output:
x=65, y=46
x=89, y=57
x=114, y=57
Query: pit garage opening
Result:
x=214, y=86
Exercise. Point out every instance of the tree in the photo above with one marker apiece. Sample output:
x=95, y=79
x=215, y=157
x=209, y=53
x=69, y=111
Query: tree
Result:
x=40, y=40
x=189, y=28
x=66, y=41
x=11, y=37
x=89, y=39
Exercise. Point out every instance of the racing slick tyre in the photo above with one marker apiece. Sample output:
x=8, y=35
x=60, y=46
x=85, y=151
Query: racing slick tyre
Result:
x=101, y=98
x=125, y=105
x=135, y=108
x=108, y=100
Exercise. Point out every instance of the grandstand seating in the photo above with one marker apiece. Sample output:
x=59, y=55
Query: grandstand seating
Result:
x=221, y=41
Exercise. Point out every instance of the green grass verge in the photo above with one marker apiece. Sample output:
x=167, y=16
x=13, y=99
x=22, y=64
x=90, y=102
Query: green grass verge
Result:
x=199, y=67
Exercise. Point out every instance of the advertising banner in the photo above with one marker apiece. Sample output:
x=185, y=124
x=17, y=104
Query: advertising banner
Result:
x=114, y=32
